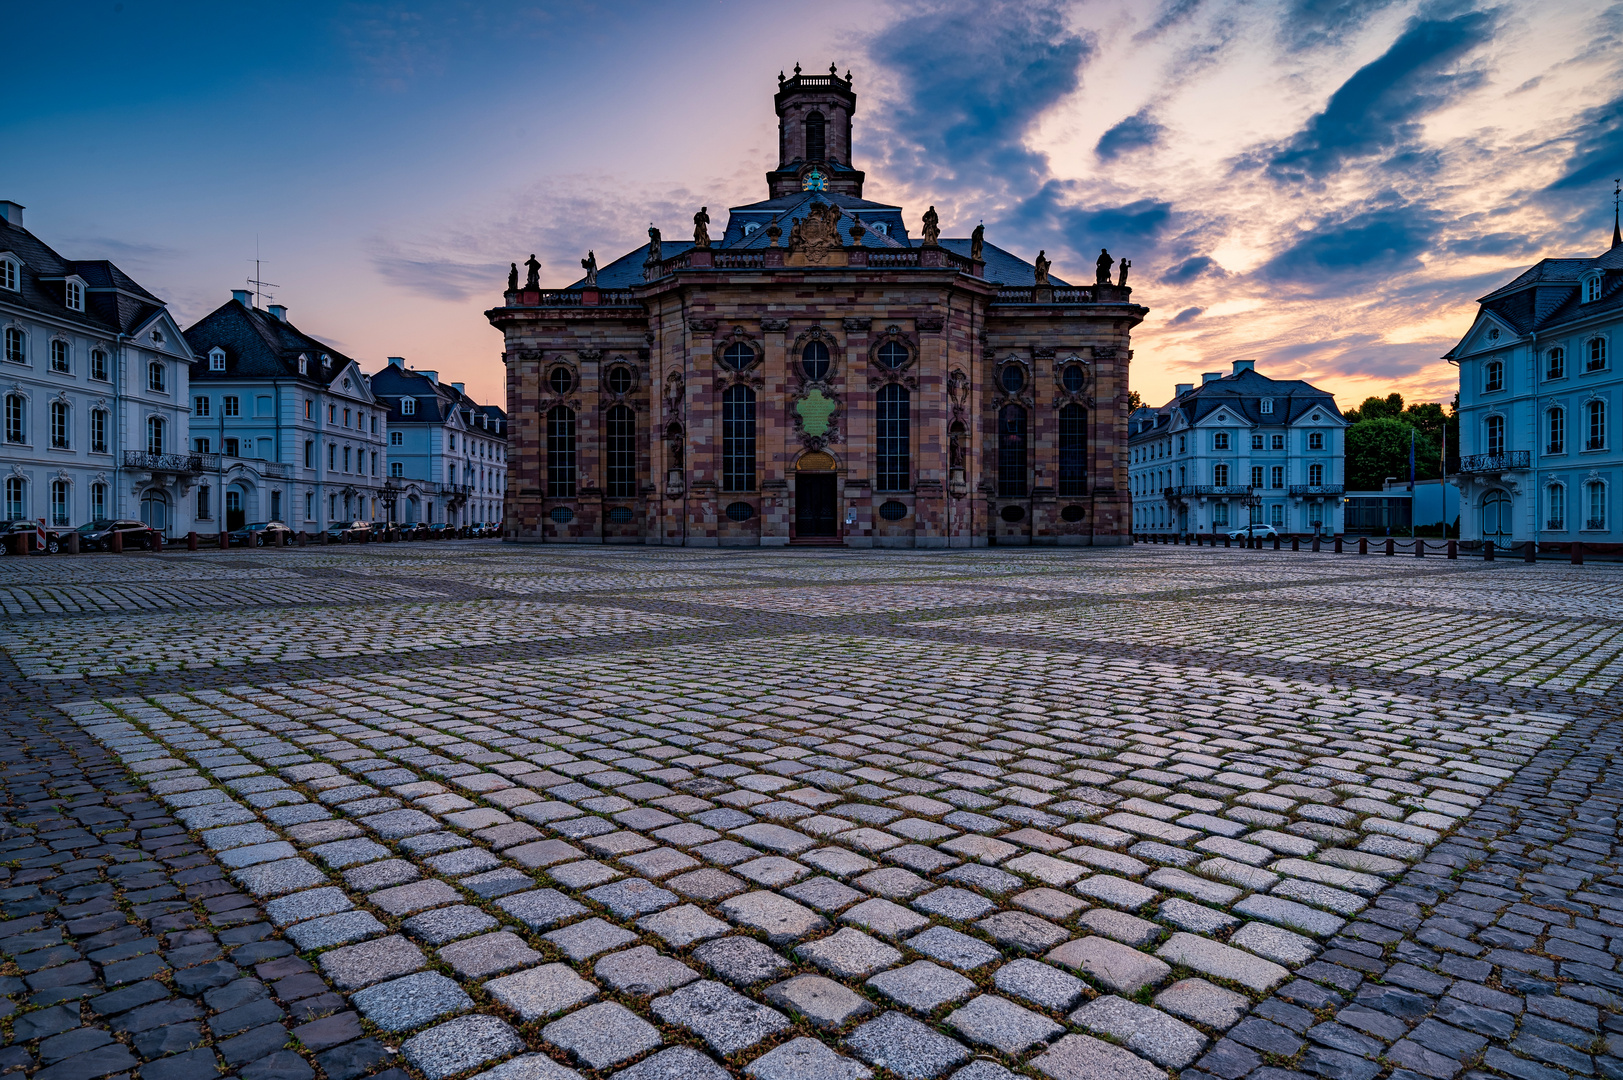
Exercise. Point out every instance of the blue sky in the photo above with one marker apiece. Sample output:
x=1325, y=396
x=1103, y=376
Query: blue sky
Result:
x=1321, y=185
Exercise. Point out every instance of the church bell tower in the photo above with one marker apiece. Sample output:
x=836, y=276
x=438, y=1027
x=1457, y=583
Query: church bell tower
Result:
x=814, y=135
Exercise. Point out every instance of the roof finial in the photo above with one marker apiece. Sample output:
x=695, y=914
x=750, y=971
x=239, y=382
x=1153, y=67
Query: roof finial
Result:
x=797, y=69
x=1617, y=195
x=834, y=70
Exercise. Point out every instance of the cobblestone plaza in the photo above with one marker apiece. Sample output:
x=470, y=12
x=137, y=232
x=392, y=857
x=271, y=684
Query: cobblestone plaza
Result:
x=461, y=809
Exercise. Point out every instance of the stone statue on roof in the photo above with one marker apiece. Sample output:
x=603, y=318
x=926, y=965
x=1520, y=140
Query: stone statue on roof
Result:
x=1126, y=264
x=1041, y=267
x=655, y=251
x=977, y=243
x=512, y=277
x=701, y=228
x=1104, y=264
x=533, y=265
x=589, y=264
x=932, y=228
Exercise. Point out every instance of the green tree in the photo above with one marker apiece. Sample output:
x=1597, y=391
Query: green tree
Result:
x=1133, y=401
x=1379, y=447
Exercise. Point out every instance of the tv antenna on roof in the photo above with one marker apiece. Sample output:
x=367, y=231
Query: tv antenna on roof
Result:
x=255, y=280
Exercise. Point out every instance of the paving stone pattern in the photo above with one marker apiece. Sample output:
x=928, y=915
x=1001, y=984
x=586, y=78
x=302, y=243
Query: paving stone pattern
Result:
x=802, y=813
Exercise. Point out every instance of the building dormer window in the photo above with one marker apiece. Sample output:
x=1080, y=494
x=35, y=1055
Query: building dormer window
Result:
x=326, y=361
x=408, y=406
x=880, y=227
x=1267, y=405
x=74, y=295
x=216, y=359
x=1592, y=287
x=8, y=274
x=751, y=228
x=304, y=364
x=1493, y=375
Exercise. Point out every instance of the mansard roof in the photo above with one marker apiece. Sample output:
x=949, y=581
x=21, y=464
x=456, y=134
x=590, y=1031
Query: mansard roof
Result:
x=1240, y=394
x=114, y=302
x=437, y=402
x=1548, y=295
x=259, y=345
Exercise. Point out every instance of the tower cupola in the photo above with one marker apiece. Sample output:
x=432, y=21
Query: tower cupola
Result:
x=814, y=135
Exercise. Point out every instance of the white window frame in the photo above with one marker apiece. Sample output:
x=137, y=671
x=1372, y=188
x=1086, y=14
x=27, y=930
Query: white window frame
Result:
x=98, y=366
x=73, y=294
x=216, y=359
x=11, y=274
x=1555, y=492
x=397, y=438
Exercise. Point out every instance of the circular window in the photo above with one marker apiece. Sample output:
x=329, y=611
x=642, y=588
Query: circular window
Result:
x=619, y=515
x=1012, y=378
x=620, y=379
x=740, y=511
x=1072, y=513
x=738, y=356
x=814, y=360
x=892, y=354
x=893, y=510
x=560, y=379
x=1012, y=513
x=562, y=515
x=1073, y=378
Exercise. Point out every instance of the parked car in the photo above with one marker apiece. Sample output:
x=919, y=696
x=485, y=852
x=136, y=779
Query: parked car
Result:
x=439, y=528
x=262, y=534
x=348, y=532
x=53, y=537
x=377, y=529
x=97, y=535
x=415, y=530
x=1262, y=532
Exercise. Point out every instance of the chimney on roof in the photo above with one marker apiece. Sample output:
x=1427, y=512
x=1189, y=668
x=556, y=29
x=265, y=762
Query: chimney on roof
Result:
x=1183, y=388
x=12, y=212
x=1210, y=376
x=432, y=376
x=1244, y=365
x=278, y=311
x=459, y=387
x=243, y=297
x=398, y=361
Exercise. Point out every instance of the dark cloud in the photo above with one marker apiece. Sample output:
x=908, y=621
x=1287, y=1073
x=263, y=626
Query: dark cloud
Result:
x=1191, y=269
x=1341, y=256
x=1499, y=243
x=974, y=77
x=1187, y=315
x=1172, y=13
x=1137, y=132
x=1309, y=24
x=1597, y=151
x=1378, y=109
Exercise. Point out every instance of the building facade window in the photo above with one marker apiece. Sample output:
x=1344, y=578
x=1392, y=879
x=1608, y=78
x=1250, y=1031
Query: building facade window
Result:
x=1592, y=289
x=98, y=431
x=59, y=425
x=1556, y=443
x=814, y=361
x=1276, y=476
x=408, y=406
x=1595, y=493
x=16, y=412
x=231, y=405
x=1315, y=440
x=1220, y=440
x=1496, y=434
x=16, y=505
x=561, y=453
x=1256, y=476
x=1277, y=442
x=397, y=438
x=1597, y=425
x=1555, y=505
x=1315, y=475
x=155, y=435
x=200, y=406
x=1073, y=450
x=1256, y=442
x=736, y=356
x=216, y=359
x=1493, y=375
x=816, y=138
x=1011, y=452
x=59, y=502
x=1276, y=515
x=16, y=346
x=59, y=357
x=738, y=435
x=155, y=376
x=1555, y=364
x=620, y=431
x=75, y=296
x=203, y=503
x=8, y=274
x=98, y=501
x=893, y=438
x=1597, y=354
x=397, y=469
x=1220, y=475
x=1267, y=405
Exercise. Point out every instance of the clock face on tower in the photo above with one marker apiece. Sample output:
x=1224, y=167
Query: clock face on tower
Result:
x=814, y=181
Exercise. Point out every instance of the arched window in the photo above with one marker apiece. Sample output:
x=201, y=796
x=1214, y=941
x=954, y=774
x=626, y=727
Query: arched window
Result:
x=737, y=356
x=1595, y=491
x=738, y=438
x=16, y=346
x=814, y=360
x=15, y=506
x=16, y=430
x=1011, y=452
x=1597, y=425
x=1220, y=475
x=1555, y=503
x=892, y=354
x=154, y=435
x=59, y=502
x=561, y=453
x=1496, y=434
x=1597, y=354
x=304, y=365
x=1555, y=365
x=1315, y=475
x=216, y=359
x=1073, y=450
x=621, y=428
x=59, y=425
x=815, y=141
x=1493, y=375
x=155, y=379
x=893, y=437
x=74, y=295
x=1557, y=425
x=1592, y=289
x=408, y=406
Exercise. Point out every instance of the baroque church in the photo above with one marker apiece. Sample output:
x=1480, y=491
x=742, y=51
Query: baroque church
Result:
x=817, y=373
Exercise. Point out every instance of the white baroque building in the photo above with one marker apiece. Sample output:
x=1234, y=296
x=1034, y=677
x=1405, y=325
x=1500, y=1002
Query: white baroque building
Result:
x=1238, y=449
x=1540, y=391
x=447, y=453
x=95, y=381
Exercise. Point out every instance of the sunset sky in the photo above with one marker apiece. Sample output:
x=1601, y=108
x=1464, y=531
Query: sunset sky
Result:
x=1324, y=186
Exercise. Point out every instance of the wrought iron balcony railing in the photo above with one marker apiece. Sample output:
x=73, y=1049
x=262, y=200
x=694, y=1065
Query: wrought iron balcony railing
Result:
x=1184, y=491
x=1496, y=463
x=1318, y=489
x=175, y=463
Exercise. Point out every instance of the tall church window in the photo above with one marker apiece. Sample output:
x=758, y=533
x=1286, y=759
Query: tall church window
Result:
x=814, y=360
x=561, y=453
x=622, y=452
x=894, y=438
x=815, y=142
x=1073, y=450
x=1011, y=452
x=738, y=439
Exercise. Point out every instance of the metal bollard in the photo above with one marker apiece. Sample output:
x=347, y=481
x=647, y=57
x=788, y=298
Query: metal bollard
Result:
x=1453, y=549
x=1419, y=547
x=1577, y=554
x=1487, y=551
x=115, y=542
x=1363, y=545
x=1276, y=543
x=1530, y=552
x=1296, y=543
x=70, y=543
x=1391, y=546
x=157, y=541
x=304, y=538
x=1315, y=545
x=1338, y=545
x=1228, y=541
x=191, y=540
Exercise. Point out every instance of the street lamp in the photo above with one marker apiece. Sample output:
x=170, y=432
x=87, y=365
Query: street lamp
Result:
x=391, y=492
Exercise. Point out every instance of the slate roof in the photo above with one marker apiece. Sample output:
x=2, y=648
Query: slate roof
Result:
x=1547, y=296
x=114, y=302
x=1241, y=393
x=436, y=401
x=259, y=345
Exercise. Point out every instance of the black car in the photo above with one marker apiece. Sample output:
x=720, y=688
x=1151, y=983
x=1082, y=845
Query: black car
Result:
x=348, y=532
x=53, y=537
x=261, y=534
x=98, y=535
